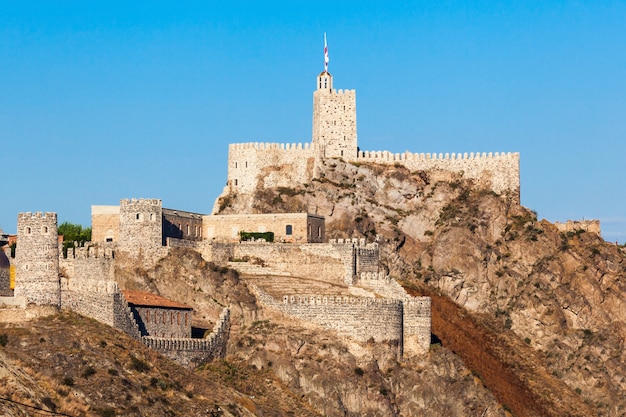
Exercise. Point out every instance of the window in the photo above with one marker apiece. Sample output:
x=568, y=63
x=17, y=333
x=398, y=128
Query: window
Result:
x=152, y=217
x=137, y=216
x=28, y=230
x=289, y=230
x=235, y=164
x=187, y=230
x=45, y=229
x=310, y=230
x=235, y=182
x=319, y=231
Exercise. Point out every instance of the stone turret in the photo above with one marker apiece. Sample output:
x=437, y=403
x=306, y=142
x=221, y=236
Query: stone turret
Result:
x=37, y=259
x=334, y=120
x=141, y=226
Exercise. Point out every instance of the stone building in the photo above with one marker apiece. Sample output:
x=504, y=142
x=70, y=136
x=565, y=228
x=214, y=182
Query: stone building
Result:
x=158, y=316
x=287, y=227
x=138, y=224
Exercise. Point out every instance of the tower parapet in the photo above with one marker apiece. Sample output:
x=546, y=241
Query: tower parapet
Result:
x=37, y=257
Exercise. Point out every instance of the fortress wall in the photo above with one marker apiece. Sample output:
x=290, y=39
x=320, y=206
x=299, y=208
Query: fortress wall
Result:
x=362, y=319
x=382, y=284
x=91, y=298
x=331, y=262
x=417, y=326
x=499, y=172
x=193, y=352
x=591, y=226
x=123, y=317
x=269, y=165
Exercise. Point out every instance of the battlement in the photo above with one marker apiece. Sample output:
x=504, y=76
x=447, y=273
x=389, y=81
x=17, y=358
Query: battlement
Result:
x=591, y=226
x=27, y=216
x=375, y=276
x=193, y=352
x=271, y=146
x=141, y=201
x=341, y=91
x=90, y=250
x=353, y=242
x=337, y=300
x=410, y=156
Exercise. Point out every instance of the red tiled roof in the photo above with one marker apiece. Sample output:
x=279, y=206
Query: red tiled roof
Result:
x=142, y=298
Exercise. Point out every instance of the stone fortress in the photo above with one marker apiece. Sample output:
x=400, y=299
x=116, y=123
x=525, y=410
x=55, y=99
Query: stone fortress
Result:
x=348, y=294
x=253, y=166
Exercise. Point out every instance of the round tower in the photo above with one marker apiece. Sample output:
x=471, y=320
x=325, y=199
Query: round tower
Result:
x=37, y=259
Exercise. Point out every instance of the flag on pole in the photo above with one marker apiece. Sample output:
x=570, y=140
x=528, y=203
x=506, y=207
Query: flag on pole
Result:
x=325, y=54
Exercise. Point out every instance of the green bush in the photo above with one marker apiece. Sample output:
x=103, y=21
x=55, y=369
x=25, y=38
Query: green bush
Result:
x=267, y=236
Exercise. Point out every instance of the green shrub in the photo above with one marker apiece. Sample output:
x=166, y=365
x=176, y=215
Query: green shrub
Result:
x=267, y=236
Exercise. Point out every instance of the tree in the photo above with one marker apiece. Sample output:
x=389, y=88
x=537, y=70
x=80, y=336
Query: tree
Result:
x=74, y=233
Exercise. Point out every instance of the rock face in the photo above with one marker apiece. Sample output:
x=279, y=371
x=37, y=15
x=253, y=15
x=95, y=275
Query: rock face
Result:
x=560, y=293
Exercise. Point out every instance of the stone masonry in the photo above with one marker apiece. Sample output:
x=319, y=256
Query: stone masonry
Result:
x=37, y=259
x=253, y=166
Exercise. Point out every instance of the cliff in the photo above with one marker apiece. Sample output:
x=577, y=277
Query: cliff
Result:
x=545, y=305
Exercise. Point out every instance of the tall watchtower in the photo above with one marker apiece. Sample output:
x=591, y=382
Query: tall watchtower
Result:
x=37, y=259
x=141, y=224
x=334, y=119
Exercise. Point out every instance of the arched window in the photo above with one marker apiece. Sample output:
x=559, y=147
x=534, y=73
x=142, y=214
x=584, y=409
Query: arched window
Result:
x=28, y=230
x=289, y=230
x=45, y=229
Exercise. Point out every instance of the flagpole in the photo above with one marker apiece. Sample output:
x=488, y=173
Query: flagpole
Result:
x=325, y=54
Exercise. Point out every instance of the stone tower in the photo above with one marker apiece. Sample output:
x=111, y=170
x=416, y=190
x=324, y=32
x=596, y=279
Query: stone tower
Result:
x=37, y=259
x=141, y=224
x=334, y=119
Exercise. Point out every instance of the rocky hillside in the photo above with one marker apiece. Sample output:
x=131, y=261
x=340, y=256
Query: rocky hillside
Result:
x=275, y=366
x=547, y=307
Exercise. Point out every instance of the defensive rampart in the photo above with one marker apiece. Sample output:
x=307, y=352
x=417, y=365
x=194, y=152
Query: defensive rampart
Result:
x=338, y=261
x=591, y=226
x=269, y=165
x=362, y=319
x=382, y=284
x=193, y=352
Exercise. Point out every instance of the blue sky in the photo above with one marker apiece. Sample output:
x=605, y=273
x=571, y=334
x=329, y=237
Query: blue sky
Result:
x=107, y=100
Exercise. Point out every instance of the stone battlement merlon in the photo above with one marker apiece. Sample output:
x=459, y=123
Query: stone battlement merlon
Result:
x=336, y=300
x=343, y=91
x=37, y=215
x=271, y=146
x=412, y=156
x=148, y=201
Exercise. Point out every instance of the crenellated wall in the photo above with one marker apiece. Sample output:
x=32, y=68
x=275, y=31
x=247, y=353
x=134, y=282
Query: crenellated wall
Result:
x=496, y=171
x=362, y=319
x=591, y=226
x=382, y=284
x=269, y=165
x=193, y=352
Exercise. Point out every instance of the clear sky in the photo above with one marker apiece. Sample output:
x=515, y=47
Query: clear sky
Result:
x=103, y=100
